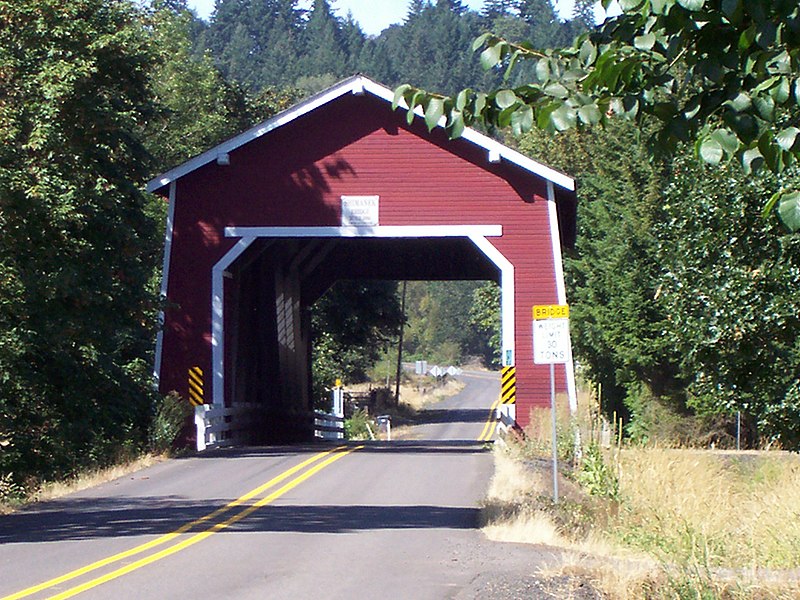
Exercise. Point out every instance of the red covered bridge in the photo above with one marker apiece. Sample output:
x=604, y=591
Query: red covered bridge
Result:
x=341, y=187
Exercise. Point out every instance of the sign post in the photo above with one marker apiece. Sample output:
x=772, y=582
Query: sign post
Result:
x=551, y=347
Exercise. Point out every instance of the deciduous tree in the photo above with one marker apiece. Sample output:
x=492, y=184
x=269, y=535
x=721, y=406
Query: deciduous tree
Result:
x=78, y=242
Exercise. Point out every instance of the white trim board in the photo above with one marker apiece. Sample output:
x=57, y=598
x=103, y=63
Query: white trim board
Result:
x=358, y=85
x=379, y=231
x=561, y=290
x=218, y=317
x=164, y=280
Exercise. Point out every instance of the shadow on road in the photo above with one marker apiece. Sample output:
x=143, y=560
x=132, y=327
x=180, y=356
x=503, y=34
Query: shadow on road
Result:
x=394, y=447
x=122, y=517
x=452, y=415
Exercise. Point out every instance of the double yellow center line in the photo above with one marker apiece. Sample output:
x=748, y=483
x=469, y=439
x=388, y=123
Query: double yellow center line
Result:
x=323, y=459
x=491, y=420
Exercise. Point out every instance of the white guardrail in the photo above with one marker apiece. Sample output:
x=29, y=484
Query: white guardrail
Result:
x=328, y=427
x=219, y=426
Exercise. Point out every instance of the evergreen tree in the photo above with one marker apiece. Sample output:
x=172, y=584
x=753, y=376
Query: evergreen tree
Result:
x=198, y=107
x=492, y=9
x=434, y=47
x=257, y=42
x=325, y=51
x=415, y=8
x=545, y=30
x=583, y=14
x=353, y=41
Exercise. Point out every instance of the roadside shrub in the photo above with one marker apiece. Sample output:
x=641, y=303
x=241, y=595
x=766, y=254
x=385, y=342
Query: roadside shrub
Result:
x=171, y=414
x=596, y=477
x=10, y=491
x=357, y=427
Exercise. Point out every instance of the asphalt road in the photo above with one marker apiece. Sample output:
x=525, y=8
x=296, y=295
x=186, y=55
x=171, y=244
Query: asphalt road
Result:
x=379, y=520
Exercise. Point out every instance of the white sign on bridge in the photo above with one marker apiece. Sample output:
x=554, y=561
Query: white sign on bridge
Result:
x=550, y=335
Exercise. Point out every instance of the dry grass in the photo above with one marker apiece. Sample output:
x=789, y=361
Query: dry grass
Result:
x=732, y=509
x=509, y=510
x=687, y=524
x=418, y=392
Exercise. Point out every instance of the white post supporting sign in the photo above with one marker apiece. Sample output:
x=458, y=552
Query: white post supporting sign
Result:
x=551, y=346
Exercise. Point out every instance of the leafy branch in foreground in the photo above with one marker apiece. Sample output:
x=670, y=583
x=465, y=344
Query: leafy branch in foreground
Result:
x=722, y=74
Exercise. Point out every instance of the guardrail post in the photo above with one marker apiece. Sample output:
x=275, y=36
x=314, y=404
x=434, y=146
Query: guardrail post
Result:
x=338, y=402
x=200, y=426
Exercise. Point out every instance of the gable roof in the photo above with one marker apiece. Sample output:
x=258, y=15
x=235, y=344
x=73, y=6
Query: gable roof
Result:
x=357, y=84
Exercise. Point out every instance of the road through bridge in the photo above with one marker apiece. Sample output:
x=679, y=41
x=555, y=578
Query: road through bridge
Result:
x=361, y=520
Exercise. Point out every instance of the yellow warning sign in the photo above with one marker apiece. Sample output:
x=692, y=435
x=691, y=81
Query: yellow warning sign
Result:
x=196, y=396
x=550, y=311
x=508, y=385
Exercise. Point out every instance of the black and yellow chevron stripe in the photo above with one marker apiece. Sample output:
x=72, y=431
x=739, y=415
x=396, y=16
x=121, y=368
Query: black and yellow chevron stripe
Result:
x=196, y=396
x=508, y=385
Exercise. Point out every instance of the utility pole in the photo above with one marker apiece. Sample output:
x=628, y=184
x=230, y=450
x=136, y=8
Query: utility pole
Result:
x=400, y=347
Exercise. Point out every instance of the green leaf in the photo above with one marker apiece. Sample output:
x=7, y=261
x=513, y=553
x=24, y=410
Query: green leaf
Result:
x=504, y=118
x=710, y=150
x=661, y=7
x=771, y=204
x=416, y=99
x=543, y=70
x=480, y=102
x=564, y=118
x=463, y=99
x=769, y=151
x=747, y=37
x=789, y=210
x=729, y=7
x=434, y=112
x=797, y=91
x=505, y=98
x=781, y=92
x=787, y=138
x=629, y=5
x=543, y=120
x=740, y=102
x=457, y=126
x=398, y=94
x=522, y=120
x=693, y=5
x=556, y=90
x=782, y=64
x=765, y=106
x=588, y=53
x=645, y=42
x=590, y=114
x=727, y=140
x=480, y=41
x=752, y=160
x=513, y=61
x=492, y=55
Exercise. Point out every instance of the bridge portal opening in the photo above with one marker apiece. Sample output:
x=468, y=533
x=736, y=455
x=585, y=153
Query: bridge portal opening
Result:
x=265, y=319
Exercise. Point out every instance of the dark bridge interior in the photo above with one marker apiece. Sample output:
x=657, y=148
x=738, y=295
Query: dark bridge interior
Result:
x=267, y=325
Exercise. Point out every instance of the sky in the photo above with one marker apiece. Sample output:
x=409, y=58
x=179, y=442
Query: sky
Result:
x=373, y=15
